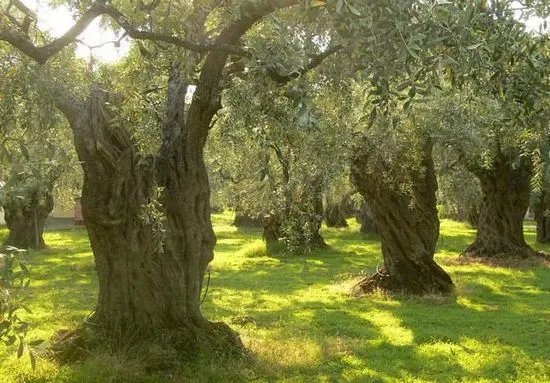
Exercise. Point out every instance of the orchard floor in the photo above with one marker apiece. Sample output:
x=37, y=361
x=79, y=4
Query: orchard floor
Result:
x=296, y=317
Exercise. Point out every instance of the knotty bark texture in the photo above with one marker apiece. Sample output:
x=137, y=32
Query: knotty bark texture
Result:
x=506, y=194
x=408, y=224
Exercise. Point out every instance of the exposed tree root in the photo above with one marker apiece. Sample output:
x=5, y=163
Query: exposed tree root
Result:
x=160, y=351
x=381, y=280
x=438, y=282
x=477, y=250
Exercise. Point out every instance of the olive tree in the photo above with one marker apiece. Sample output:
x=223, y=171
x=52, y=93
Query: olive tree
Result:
x=151, y=266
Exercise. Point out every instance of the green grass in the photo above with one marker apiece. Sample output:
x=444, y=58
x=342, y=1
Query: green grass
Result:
x=296, y=317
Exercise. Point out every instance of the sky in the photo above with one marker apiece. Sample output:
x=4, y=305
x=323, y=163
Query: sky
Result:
x=57, y=21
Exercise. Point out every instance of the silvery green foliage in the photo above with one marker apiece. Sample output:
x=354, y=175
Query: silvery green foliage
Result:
x=14, y=280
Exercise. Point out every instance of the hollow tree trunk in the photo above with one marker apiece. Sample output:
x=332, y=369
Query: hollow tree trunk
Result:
x=25, y=221
x=506, y=194
x=541, y=208
x=408, y=233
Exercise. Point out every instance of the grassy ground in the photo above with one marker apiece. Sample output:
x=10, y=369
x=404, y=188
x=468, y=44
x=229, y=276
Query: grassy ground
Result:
x=296, y=317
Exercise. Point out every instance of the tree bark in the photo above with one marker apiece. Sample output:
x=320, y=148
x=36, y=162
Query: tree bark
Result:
x=541, y=209
x=506, y=193
x=408, y=226
x=366, y=219
x=336, y=212
x=25, y=220
x=151, y=258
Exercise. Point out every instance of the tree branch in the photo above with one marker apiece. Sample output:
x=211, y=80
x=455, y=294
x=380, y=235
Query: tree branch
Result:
x=138, y=34
x=41, y=54
x=313, y=63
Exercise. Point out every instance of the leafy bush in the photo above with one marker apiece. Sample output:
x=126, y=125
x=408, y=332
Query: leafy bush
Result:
x=14, y=280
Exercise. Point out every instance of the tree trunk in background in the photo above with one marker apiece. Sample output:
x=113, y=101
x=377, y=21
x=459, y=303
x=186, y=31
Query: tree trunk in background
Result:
x=316, y=221
x=271, y=224
x=25, y=220
x=335, y=213
x=366, y=219
x=541, y=209
x=506, y=194
x=243, y=219
x=408, y=233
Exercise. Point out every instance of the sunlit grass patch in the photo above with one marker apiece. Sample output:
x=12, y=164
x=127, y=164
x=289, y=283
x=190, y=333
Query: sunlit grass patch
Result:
x=301, y=325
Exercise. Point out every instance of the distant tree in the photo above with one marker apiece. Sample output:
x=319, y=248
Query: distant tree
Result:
x=366, y=218
x=34, y=152
x=496, y=125
x=459, y=193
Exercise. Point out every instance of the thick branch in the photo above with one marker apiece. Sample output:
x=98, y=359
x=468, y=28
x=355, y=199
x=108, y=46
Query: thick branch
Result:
x=41, y=54
x=138, y=34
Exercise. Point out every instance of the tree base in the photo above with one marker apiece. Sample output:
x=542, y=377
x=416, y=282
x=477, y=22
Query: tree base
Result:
x=536, y=259
x=479, y=250
x=382, y=281
x=164, y=350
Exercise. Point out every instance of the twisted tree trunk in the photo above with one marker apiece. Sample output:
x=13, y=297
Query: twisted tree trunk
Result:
x=25, y=220
x=409, y=227
x=150, y=269
x=506, y=194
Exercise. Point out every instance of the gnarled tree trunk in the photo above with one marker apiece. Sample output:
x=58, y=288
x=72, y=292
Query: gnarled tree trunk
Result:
x=25, y=220
x=409, y=227
x=541, y=208
x=506, y=194
x=150, y=269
